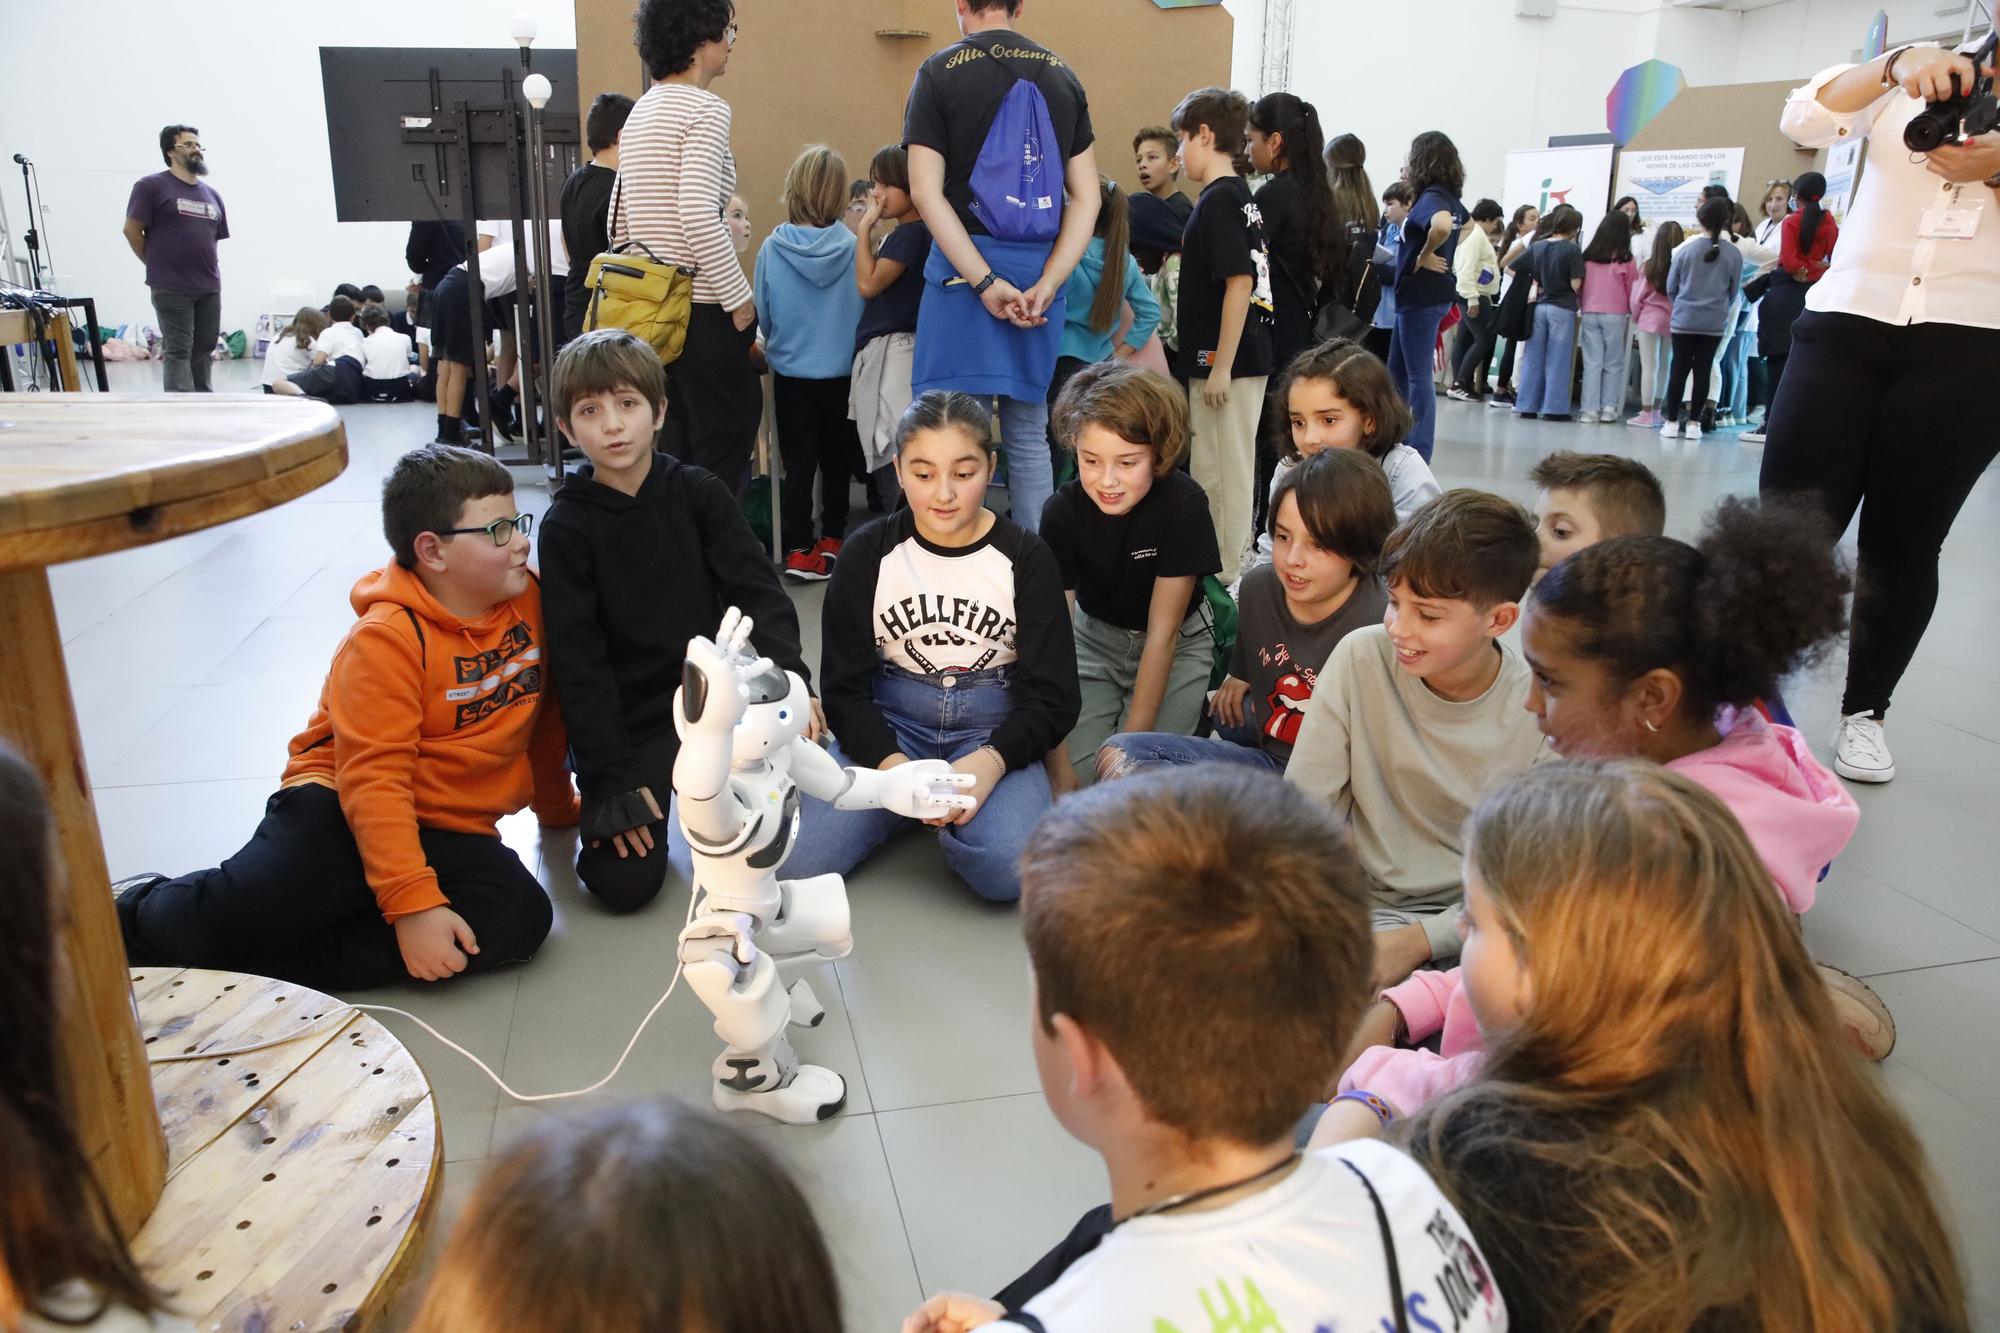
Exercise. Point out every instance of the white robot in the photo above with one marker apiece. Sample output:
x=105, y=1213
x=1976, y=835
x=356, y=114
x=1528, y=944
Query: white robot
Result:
x=743, y=760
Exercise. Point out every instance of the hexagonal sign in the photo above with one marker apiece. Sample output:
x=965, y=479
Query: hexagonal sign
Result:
x=1641, y=93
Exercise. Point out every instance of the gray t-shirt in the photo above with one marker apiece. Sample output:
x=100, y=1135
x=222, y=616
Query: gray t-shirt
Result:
x=182, y=223
x=1280, y=657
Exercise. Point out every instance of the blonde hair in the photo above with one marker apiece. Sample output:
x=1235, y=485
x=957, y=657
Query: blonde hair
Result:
x=1681, y=1078
x=815, y=193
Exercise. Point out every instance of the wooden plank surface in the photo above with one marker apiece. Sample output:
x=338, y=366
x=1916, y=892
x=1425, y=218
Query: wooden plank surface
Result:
x=97, y=472
x=304, y=1205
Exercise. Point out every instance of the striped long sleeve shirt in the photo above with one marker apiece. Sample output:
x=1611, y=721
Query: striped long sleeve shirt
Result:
x=675, y=176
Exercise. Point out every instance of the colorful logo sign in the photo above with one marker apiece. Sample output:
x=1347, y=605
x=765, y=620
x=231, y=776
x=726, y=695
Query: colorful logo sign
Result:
x=1641, y=93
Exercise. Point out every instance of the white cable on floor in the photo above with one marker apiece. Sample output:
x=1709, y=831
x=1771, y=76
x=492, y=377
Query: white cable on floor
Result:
x=351, y=1008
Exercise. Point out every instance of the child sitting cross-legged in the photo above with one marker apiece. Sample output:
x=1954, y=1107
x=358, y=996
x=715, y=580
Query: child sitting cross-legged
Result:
x=1668, y=1134
x=1650, y=647
x=1411, y=719
x=377, y=856
x=1581, y=499
x=642, y=552
x=1330, y=516
x=1133, y=538
x=1223, y=893
x=385, y=366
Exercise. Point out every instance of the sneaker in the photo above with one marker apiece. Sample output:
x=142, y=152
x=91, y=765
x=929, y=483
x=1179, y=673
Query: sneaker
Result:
x=1693, y=431
x=1504, y=398
x=828, y=547
x=1646, y=420
x=1525, y=416
x=1670, y=429
x=1864, y=1020
x=1860, y=754
x=808, y=567
x=1557, y=416
x=1755, y=435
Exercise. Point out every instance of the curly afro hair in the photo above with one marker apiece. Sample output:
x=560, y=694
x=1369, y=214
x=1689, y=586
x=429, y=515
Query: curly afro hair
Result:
x=669, y=32
x=1760, y=594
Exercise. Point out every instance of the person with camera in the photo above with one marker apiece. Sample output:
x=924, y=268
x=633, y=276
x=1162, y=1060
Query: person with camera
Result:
x=1899, y=340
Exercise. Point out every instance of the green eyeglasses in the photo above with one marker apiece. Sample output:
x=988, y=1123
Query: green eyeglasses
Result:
x=501, y=530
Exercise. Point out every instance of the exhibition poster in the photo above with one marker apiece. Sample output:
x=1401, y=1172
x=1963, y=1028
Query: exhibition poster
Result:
x=1668, y=182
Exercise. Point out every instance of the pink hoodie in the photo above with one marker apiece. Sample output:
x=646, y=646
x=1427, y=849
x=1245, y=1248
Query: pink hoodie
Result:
x=1651, y=310
x=1797, y=814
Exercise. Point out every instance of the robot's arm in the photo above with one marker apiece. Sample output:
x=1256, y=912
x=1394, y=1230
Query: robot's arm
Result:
x=711, y=702
x=920, y=789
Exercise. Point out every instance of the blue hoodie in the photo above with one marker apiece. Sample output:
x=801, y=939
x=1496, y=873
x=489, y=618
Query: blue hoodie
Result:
x=1082, y=341
x=807, y=302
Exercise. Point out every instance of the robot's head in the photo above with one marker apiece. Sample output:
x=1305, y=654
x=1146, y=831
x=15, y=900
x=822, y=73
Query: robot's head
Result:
x=778, y=709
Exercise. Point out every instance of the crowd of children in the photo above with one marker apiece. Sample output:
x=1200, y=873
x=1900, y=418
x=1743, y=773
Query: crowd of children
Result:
x=1299, y=772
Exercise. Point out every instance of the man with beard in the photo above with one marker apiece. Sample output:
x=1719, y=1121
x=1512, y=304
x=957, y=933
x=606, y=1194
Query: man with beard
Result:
x=172, y=223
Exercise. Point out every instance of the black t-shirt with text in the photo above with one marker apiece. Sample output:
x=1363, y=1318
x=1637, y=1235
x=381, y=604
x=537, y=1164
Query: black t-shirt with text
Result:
x=1224, y=240
x=1293, y=282
x=1112, y=560
x=958, y=91
x=894, y=308
x=585, y=209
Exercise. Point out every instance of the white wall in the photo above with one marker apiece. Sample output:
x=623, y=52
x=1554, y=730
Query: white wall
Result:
x=88, y=87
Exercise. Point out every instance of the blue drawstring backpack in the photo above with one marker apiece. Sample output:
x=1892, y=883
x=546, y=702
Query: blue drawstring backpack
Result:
x=1016, y=194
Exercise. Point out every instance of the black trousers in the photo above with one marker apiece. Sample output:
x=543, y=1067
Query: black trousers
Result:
x=1693, y=353
x=815, y=437
x=1377, y=340
x=1472, y=346
x=1889, y=420
x=295, y=904
x=628, y=883
x=338, y=381
x=717, y=401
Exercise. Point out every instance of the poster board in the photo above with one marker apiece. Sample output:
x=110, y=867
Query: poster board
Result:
x=1668, y=182
x=1545, y=177
x=1843, y=174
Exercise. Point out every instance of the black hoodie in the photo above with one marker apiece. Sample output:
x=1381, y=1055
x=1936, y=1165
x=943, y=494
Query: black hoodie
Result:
x=626, y=582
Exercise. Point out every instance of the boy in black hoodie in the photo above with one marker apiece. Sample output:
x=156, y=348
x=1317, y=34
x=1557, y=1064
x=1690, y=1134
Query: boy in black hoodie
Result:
x=640, y=552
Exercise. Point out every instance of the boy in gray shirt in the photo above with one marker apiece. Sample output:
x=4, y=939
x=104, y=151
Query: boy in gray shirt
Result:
x=1410, y=720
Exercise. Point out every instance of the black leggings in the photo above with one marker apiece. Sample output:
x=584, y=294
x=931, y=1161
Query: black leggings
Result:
x=1890, y=420
x=816, y=437
x=1692, y=352
x=1472, y=346
x=295, y=903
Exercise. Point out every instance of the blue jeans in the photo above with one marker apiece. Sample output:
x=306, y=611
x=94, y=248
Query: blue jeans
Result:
x=1411, y=356
x=1735, y=392
x=935, y=718
x=1138, y=750
x=1024, y=444
x=1543, y=380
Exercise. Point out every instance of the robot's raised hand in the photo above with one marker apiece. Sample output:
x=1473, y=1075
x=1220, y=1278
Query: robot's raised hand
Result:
x=733, y=634
x=926, y=789
x=712, y=695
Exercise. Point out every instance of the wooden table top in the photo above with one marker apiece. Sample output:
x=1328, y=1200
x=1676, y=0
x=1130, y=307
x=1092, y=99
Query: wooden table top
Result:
x=85, y=474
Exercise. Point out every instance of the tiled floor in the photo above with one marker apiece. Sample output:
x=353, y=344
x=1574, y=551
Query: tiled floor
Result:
x=194, y=661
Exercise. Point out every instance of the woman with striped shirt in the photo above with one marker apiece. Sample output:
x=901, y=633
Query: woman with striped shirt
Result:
x=675, y=178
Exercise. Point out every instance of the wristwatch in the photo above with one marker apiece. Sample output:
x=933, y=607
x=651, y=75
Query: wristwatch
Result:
x=979, y=288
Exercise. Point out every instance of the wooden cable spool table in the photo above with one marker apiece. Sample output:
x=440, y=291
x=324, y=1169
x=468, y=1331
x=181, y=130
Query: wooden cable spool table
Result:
x=260, y=1174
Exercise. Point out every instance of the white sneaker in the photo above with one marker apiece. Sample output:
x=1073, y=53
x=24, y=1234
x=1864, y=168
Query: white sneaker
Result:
x=1693, y=431
x=1860, y=754
x=1670, y=429
x=1755, y=436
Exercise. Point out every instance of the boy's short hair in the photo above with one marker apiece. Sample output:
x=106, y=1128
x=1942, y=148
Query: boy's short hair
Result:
x=891, y=166
x=373, y=317
x=1012, y=7
x=1159, y=134
x=350, y=291
x=372, y=294
x=1220, y=891
x=606, y=120
x=1468, y=546
x=1624, y=492
x=815, y=193
x=1345, y=504
x=1487, y=210
x=340, y=309
x=428, y=487
x=1398, y=192
x=1133, y=403
x=603, y=361
x=1225, y=111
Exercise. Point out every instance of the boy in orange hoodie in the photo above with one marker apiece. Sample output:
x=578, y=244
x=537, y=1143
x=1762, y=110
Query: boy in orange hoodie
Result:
x=377, y=857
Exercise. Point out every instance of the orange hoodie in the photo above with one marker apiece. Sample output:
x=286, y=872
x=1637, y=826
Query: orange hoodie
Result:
x=430, y=721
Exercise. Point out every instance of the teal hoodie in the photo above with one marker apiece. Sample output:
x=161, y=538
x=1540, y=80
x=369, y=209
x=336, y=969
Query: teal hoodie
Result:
x=1079, y=339
x=808, y=305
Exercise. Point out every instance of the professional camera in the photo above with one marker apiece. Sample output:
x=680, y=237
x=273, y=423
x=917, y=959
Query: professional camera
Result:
x=1963, y=115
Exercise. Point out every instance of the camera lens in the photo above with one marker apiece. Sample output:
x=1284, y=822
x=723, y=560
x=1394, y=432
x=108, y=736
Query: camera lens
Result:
x=1925, y=131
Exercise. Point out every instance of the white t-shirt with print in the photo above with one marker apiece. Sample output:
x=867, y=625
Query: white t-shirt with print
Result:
x=1305, y=1254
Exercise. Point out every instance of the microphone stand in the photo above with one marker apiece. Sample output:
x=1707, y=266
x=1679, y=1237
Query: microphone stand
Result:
x=33, y=237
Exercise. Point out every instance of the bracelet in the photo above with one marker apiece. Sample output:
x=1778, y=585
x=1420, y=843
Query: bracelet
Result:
x=979, y=288
x=1889, y=67
x=1383, y=1111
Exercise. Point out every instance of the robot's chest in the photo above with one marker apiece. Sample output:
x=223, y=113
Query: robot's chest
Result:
x=774, y=799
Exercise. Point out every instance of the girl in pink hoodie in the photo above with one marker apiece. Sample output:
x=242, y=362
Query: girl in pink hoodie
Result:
x=1649, y=647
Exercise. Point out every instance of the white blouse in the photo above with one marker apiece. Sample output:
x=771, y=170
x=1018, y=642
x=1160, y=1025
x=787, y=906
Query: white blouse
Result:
x=1882, y=269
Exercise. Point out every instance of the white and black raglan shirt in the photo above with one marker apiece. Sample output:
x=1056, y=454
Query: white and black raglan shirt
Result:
x=939, y=611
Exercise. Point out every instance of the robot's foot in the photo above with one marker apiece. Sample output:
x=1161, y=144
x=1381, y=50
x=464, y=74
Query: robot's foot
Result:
x=814, y=1094
x=807, y=1011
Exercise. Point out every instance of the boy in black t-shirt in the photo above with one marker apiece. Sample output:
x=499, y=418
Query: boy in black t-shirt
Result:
x=1133, y=538
x=1225, y=315
x=585, y=207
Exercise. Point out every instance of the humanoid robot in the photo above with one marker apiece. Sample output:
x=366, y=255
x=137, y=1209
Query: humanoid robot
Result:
x=743, y=761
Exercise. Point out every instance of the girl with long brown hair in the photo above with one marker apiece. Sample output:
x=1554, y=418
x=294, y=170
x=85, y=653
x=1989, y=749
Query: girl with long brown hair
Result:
x=1669, y=1133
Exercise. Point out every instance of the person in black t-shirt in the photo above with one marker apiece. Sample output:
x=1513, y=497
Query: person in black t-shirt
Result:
x=892, y=286
x=991, y=319
x=586, y=206
x=1425, y=287
x=1224, y=315
x=1133, y=538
